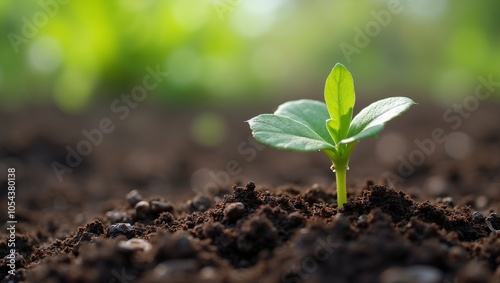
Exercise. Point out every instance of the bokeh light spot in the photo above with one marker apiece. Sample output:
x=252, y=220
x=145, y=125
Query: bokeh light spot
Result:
x=190, y=15
x=458, y=145
x=390, y=146
x=72, y=91
x=222, y=76
x=262, y=7
x=427, y=9
x=251, y=24
x=454, y=83
x=267, y=64
x=137, y=5
x=45, y=54
x=464, y=41
x=185, y=66
x=208, y=129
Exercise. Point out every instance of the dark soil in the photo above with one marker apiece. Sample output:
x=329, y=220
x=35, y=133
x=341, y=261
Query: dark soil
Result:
x=286, y=227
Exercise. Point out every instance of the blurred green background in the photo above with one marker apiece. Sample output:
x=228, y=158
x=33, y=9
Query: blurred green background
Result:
x=236, y=52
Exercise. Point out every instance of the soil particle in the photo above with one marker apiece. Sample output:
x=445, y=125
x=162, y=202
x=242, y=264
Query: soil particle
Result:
x=120, y=229
x=474, y=272
x=165, y=219
x=257, y=233
x=200, y=203
x=315, y=195
x=457, y=219
x=158, y=207
x=135, y=245
x=488, y=250
x=411, y=274
x=296, y=219
x=174, y=268
x=115, y=216
x=233, y=211
x=457, y=255
x=72, y=244
x=133, y=197
x=176, y=246
x=493, y=222
x=142, y=209
x=397, y=204
x=478, y=217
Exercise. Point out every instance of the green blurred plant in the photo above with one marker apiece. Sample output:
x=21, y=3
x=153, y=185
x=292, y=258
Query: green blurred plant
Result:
x=433, y=49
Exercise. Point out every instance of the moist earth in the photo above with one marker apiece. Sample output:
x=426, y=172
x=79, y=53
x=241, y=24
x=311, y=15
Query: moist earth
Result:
x=115, y=220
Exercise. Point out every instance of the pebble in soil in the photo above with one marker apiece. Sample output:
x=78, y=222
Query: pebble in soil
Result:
x=124, y=229
x=133, y=197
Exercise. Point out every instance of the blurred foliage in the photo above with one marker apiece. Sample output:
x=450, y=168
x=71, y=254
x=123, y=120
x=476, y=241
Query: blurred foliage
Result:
x=227, y=51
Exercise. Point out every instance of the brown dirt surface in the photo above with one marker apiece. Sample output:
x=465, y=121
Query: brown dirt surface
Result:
x=432, y=226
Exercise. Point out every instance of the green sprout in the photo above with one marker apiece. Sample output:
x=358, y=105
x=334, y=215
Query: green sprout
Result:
x=309, y=125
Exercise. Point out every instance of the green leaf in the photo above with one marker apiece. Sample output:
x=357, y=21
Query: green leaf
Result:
x=285, y=133
x=339, y=98
x=371, y=132
x=311, y=113
x=370, y=121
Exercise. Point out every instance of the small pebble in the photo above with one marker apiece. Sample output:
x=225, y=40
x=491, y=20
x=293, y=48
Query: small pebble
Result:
x=208, y=273
x=142, y=208
x=474, y=272
x=250, y=186
x=175, y=246
x=121, y=229
x=304, y=231
x=257, y=227
x=133, y=197
x=477, y=217
x=116, y=216
x=492, y=217
x=446, y=200
x=362, y=221
x=481, y=202
x=161, y=206
x=457, y=254
x=201, y=203
x=171, y=267
x=437, y=186
x=184, y=247
x=296, y=218
x=164, y=218
x=493, y=222
x=412, y=274
x=135, y=244
x=233, y=211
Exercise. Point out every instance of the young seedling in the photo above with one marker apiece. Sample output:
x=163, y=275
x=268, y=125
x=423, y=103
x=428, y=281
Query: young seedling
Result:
x=308, y=125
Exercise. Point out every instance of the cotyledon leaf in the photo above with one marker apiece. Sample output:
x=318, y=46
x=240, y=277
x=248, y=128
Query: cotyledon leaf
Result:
x=377, y=114
x=285, y=133
x=311, y=113
x=371, y=132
